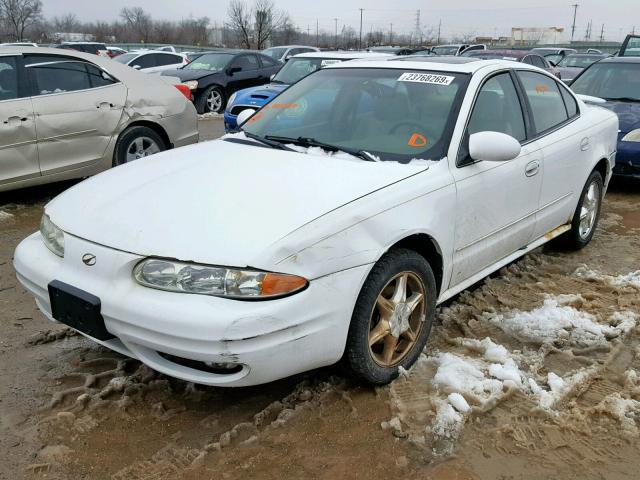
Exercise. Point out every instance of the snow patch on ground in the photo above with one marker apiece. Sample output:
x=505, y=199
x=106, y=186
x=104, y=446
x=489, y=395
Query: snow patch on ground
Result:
x=5, y=216
x=631, y=279
x=555, y=322
x=204, y=116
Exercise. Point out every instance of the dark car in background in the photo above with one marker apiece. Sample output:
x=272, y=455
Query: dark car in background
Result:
x=95, y=48
x=214, y=77
x=572, y=65
x=552, y=54
x=530, y=58
x=392, y=50
x=616, y=80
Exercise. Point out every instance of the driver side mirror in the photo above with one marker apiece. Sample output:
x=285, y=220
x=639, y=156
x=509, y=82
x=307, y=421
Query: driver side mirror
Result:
x=245, y=115
x=232, y=70
x=493, y=147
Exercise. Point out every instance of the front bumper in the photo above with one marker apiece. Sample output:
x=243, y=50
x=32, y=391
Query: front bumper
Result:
x=627, y=160
x=230, y=121
x=268, y=339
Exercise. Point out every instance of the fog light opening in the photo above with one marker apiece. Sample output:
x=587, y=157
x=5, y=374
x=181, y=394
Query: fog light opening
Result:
x=218, y=368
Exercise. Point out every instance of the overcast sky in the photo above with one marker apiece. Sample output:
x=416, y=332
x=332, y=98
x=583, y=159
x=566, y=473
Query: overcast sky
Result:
x=480, y=17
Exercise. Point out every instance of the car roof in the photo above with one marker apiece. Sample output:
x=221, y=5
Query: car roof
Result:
x=620, y=60
x=146, y=52
x=81, y=43
x=442, y=65
x=342, y=55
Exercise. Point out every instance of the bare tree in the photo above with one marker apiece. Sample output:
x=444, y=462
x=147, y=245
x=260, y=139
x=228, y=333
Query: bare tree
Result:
x=138, y=21
x=20, y=15
x=267, y=20
x=255, y=26
x=240, y=21
x=67, y=23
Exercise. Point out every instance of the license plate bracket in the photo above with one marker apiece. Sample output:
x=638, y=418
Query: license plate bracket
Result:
x=78, y=309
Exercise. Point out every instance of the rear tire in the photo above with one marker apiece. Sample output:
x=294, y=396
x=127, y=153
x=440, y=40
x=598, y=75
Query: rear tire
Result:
x=391, y=323
x=137, y=142
x=585, y=218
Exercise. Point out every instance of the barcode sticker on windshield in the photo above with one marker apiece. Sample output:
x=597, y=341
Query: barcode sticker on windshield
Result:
x=426, y=78
x=328, y=61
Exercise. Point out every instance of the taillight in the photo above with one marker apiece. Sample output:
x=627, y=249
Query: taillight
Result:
x=185, y=91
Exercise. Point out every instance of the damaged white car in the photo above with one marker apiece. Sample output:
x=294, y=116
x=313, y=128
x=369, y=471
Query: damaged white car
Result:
x=69, y=115
x=331, y=227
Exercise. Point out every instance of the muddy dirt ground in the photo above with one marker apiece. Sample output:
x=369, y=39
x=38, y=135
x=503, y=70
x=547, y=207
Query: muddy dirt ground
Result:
x=553, y=393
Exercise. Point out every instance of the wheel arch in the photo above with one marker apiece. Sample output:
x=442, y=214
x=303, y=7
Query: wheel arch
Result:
x=153, y=126
x=602, y=167
x=426, y=246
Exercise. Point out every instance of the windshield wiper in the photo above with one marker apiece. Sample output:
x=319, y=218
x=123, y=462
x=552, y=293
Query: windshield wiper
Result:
x=622, y=99
x=276, y=81
x=268, y=141
x=312, y=142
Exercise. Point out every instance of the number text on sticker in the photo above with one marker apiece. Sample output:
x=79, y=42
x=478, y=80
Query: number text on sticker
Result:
x=426, y=78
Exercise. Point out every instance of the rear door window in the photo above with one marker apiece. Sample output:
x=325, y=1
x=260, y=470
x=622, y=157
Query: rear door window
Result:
x=57, y=75
x=8, y=78
x=145, y=61
x=168, y=59
x=545, y=100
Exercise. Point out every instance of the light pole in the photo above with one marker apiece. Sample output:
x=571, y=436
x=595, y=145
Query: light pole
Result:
x=336, y=37
x=360, y=42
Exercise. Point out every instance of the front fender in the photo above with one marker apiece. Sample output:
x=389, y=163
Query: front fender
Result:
x=361, y=232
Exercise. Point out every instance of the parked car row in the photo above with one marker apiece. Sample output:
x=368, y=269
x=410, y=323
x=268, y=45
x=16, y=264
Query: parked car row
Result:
x=317, y=213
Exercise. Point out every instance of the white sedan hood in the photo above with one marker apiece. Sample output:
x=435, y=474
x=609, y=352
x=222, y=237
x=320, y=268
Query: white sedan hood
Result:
x=217, y=202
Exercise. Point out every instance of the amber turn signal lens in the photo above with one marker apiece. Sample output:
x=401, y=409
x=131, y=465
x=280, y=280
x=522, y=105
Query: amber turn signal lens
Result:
x=275, y=284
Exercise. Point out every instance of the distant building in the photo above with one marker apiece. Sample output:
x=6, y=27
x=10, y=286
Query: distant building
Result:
x=73, y=37
x=529, y=36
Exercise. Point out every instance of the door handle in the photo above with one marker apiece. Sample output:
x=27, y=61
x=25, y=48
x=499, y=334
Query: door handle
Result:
x=584, y=144
x=15, y=119
x=532, y=168
x=105, y=105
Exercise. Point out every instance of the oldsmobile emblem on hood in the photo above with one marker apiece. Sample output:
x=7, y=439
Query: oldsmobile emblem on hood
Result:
x=89, y=259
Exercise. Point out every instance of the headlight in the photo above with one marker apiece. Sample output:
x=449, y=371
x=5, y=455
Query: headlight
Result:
x=232, y=98
x=632, y=136
x=192, y=84
x=52, y=236
x=181, y=277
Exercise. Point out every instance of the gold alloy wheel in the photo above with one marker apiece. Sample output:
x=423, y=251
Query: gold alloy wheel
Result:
x=397, y=319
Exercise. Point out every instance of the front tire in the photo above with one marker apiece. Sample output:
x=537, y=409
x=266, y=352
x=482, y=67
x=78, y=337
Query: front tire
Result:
x=392, y=317
x=212, y=100
x=585, y=218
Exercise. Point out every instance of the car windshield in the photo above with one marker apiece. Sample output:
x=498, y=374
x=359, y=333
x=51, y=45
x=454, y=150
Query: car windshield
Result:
x=611, y=81
x=214, y=62
x=578, y=61
x=276, y=53
x=296, y=68
x=445, y=50
x=394, y=114
x=126, y=57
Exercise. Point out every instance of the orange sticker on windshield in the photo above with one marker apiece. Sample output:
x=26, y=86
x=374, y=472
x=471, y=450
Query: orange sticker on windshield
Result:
x=542, y=89
x=417, y=141
x=284, y=105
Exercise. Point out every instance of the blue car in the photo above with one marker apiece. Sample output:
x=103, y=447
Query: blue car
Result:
x=296, y=68
x=616, y=80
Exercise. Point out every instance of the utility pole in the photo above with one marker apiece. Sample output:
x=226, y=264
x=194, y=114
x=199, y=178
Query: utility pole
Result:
x=602, y=34
x=391, y=34
x=418, y=28
x=336, y=36
x=439, y=28
x=575, y=13
x=317, y=33
x=360, y=42
x=308, y=32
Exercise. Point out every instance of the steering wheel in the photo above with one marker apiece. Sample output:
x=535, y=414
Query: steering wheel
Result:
x=418, y=127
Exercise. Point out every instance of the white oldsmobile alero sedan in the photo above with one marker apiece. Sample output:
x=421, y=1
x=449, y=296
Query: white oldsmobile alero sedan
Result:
x=331, y=227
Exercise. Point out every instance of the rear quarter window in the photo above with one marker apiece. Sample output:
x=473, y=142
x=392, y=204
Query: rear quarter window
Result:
x=546, y=101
